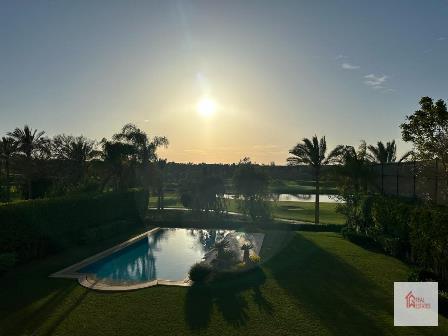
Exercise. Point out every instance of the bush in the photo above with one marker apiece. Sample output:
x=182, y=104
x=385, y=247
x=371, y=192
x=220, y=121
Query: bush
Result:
x=358, y=211
x=35, y=228
x=199, y=273
x=404, y=228
x=358, y=238
x=254, y=259
x=428, y=239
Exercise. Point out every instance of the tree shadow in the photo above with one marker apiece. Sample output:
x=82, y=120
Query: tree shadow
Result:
x=67, y=312
x=337, y=294
x=225, y=293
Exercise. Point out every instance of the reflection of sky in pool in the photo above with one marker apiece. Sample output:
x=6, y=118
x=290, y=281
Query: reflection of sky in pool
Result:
x=166, y=254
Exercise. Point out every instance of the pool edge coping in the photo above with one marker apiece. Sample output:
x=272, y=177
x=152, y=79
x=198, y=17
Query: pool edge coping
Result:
x=87, y=281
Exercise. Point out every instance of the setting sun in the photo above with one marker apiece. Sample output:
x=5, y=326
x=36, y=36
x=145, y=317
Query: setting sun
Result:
x=206, y=107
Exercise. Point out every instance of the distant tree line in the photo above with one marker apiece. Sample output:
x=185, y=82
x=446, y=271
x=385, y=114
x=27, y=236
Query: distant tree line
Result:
x=34, y=165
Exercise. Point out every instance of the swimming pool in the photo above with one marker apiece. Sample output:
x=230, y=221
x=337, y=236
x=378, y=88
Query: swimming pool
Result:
x=161, y=256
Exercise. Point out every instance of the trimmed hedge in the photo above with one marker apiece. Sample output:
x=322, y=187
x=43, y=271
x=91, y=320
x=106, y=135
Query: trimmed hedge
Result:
x=408, y=229
x=35, y=228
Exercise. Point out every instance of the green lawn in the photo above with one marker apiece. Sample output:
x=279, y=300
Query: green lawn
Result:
x=304, y=211
x=318, y=284
x=170, y=200
x=301, y=187
x=300, y=211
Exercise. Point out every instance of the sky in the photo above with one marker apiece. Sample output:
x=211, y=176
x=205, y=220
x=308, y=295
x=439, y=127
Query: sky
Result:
x=277, y=71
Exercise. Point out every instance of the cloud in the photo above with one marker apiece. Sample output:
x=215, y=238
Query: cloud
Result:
x=338, y=57
x=348, y=66
x=441, y=38
x=375, y=82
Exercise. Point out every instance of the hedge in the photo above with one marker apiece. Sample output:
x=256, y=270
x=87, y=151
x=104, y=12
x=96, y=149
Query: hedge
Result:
x=411, y=230
x=35, y=228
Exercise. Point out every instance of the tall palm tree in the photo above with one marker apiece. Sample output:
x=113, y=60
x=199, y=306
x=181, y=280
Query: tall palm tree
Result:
x=144, y=147
x=312, y=152
x=28, y=142
x=7, y=149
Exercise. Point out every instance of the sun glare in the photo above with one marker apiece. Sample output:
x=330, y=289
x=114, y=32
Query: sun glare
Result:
x=206, y=107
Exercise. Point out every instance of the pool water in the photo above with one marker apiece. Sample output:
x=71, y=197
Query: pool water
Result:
x=323, y=198
x=166, y=254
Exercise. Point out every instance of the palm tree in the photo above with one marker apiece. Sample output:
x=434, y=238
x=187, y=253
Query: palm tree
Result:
x=144, y=148
x=116, y=156
x=77, y=150
x=7, y=149
x=312, y=152
x=355, y=164
x=383, y=154
x=28, y=142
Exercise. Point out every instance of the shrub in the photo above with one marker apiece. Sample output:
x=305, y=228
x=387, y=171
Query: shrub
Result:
x=428, y=239
x=255, y=259
x=35, y=228
x=358, y=238
x=405, y=228
x=358, y=211
x=199, y=273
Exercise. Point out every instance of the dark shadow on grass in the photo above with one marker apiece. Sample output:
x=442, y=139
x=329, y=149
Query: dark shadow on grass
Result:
x=225, y=294
x=341, y=298
x=344, y=301
x=67, y=312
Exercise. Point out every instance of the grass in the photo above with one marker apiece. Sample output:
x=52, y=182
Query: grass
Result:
x=299, y=211
x=304, y=211
x=301, y=187
x=309, y=284
x=170, y=200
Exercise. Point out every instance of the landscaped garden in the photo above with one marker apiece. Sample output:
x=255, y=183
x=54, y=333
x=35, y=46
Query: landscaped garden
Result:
x=240, y=256
x=318, y=284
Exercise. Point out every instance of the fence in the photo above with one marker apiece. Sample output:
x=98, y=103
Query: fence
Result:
x=419, y=179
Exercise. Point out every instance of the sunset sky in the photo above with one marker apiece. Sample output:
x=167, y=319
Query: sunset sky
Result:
x=270, y=72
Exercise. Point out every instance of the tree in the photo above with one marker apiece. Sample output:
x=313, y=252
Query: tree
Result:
x=29, y=143
x=160, y=180
x=7, y=149
x=116, y=157
x=77, y=150
x=312, y=152
x=144, y=148
x=203, y=192
x=427, y=130
x=383, y=153
x=251, y=184
x=354, y=176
